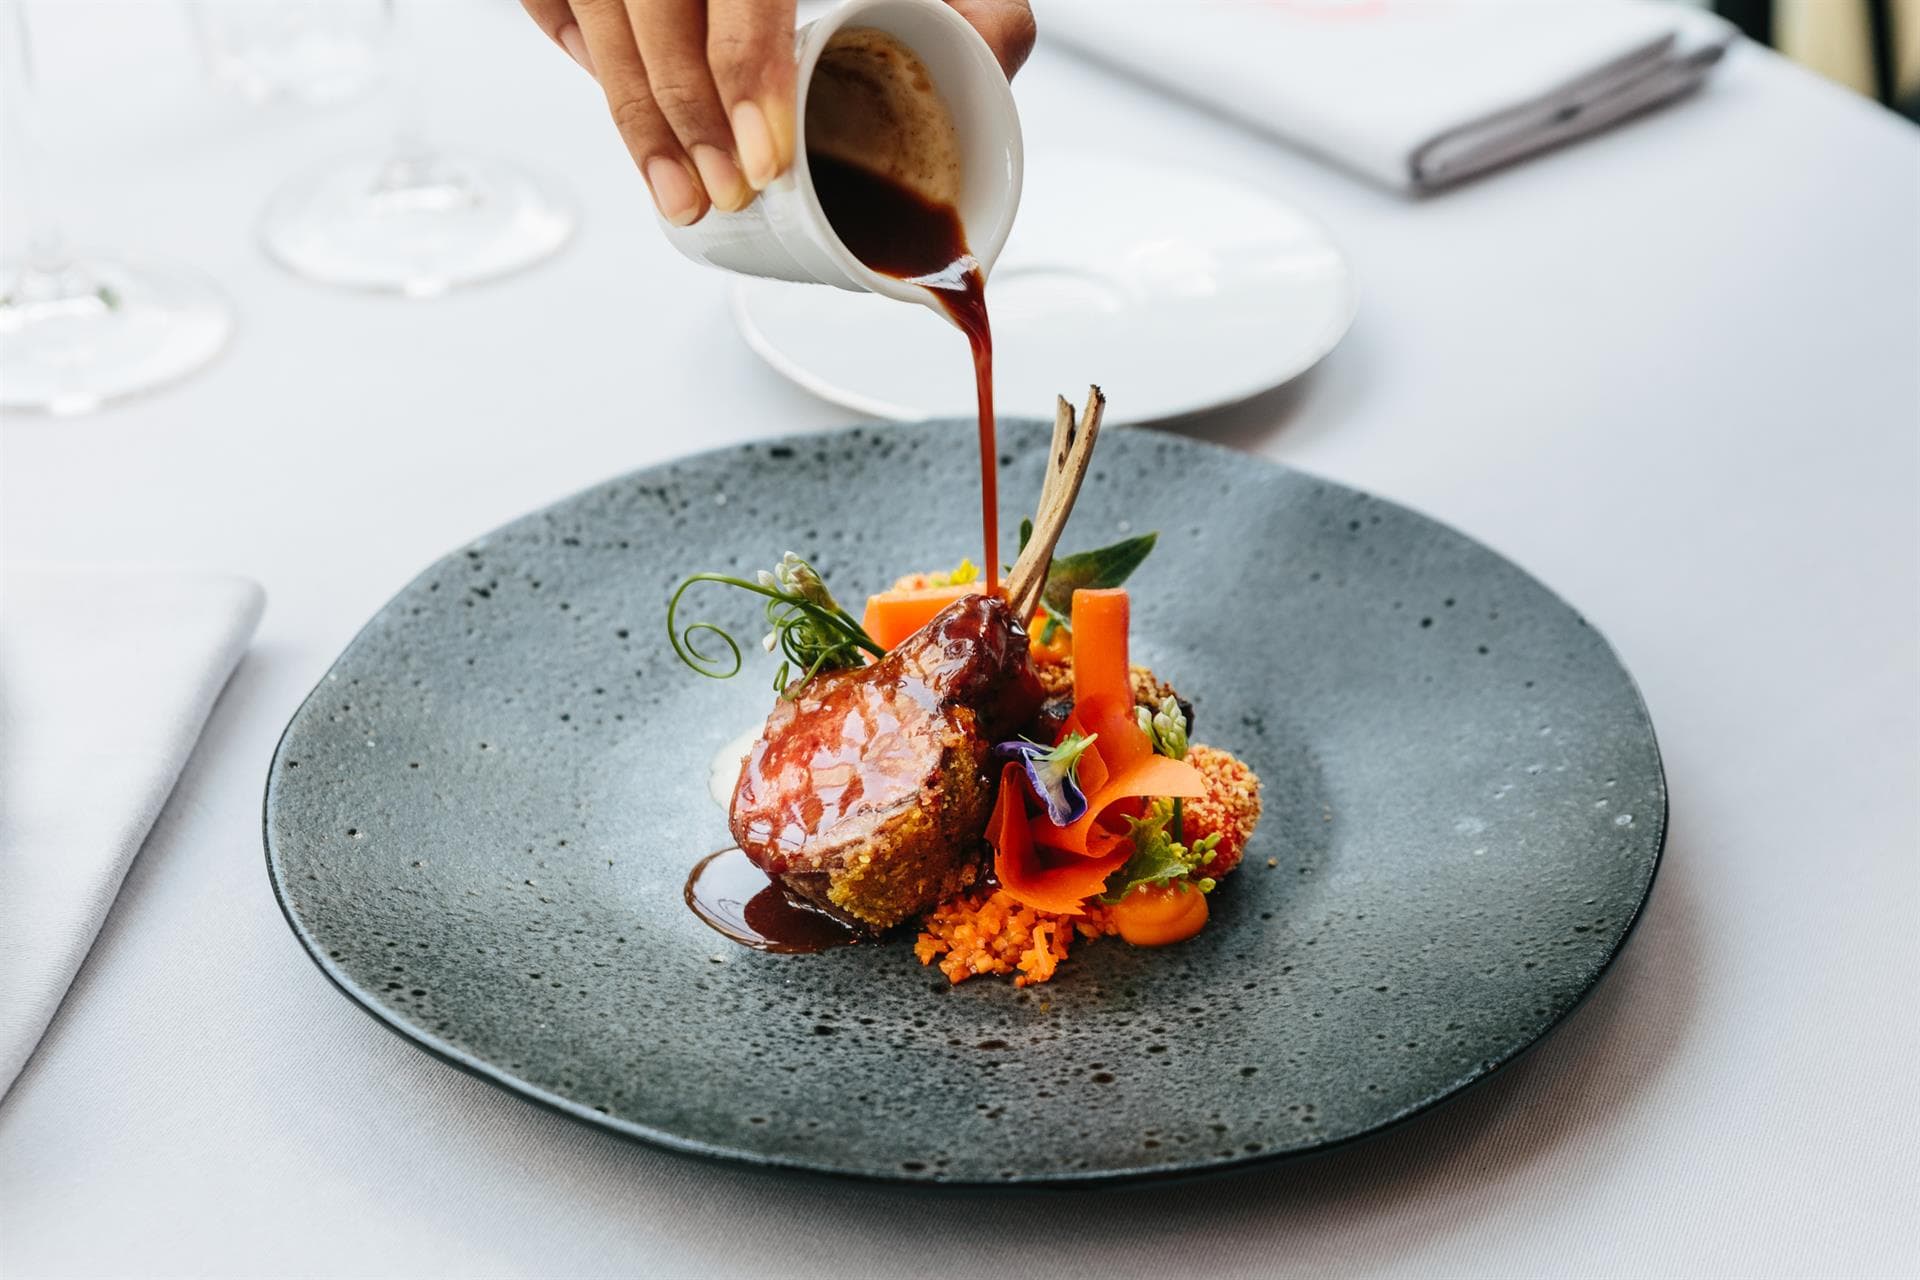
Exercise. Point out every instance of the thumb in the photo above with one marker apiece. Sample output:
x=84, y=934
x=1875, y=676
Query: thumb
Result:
x=1007, y=26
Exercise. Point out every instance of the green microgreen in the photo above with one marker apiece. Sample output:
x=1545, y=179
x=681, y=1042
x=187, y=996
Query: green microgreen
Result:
x=807, y=627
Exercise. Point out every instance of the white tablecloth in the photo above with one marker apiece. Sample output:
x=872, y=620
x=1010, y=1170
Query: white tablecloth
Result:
x=1671, y=370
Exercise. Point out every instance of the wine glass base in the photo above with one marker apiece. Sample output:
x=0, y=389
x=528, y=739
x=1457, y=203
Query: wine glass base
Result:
x=96, y=329
x=415, y=223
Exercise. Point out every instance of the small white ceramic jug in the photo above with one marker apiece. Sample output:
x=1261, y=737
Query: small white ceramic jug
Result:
x=785, y=235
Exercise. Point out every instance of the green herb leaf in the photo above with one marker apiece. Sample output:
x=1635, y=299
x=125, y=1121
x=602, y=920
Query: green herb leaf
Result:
x=1158, y=858
x=1056, y=623
x=1093, y=570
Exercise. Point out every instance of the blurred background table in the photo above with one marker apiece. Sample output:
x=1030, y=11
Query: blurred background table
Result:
x=1672, y=371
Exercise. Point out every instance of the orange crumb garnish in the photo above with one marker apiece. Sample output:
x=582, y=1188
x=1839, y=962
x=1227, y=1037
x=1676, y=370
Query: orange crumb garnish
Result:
x=1229, y=809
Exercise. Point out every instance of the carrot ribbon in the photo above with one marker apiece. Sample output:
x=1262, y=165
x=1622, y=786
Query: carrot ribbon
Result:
x=1054, y=868
x=1041, y=878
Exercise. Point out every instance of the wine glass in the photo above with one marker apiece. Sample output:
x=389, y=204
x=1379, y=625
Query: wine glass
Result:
x=415, y=219
x=78, y=330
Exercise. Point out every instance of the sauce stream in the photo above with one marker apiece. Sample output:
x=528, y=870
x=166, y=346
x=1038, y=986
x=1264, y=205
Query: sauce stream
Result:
x=901, y=234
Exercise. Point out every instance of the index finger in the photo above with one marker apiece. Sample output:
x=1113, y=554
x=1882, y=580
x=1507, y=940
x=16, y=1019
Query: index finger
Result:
x=750, y=50
x=656, y=151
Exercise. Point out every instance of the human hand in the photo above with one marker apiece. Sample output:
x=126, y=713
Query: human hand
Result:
x=702, y=90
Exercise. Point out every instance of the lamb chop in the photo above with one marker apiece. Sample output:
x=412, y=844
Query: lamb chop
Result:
x=867, y=794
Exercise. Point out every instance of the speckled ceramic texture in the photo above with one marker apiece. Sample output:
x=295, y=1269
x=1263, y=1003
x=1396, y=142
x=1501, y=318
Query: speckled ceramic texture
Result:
x=481, y=821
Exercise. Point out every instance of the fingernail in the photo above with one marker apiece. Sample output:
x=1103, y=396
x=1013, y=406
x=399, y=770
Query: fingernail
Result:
x=780, y=124
x=673, y=191
x=576, y=46
x=725, y=187
x=753, y=139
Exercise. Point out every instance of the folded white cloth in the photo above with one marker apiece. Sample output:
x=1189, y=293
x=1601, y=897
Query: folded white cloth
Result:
x=106, y=678
x=1414, y=93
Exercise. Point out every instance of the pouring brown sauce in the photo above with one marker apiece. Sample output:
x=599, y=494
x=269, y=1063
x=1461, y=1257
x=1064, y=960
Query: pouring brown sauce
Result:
x=902, y=234
x=736, y=899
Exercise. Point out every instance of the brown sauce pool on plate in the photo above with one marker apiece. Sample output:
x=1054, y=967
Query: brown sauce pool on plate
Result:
x=736, y=899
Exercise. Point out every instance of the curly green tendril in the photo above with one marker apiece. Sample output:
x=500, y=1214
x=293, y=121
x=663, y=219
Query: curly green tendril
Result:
x=807, y=626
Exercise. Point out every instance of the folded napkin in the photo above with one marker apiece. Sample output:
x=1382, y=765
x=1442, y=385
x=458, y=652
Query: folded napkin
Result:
x=1416, y=94
x=106, y=677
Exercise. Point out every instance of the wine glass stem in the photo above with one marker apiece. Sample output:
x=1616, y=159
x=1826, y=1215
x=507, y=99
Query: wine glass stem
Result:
x=410, y=144
x=46, y=269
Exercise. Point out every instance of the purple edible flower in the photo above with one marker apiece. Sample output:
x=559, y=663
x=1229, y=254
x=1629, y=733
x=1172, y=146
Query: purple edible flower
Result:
x=1052, y=773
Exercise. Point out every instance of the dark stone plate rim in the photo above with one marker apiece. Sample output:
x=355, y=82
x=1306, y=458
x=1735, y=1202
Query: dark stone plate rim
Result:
x=1172, y=1171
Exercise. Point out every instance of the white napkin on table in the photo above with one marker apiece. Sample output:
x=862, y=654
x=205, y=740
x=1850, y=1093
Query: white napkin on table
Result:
x=1416, y=94
x=106, y=678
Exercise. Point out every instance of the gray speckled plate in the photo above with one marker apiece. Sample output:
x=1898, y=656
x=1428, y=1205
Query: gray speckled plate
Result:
x=479, y=825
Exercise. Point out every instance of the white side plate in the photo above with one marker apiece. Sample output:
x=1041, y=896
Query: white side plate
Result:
x=1176, y=290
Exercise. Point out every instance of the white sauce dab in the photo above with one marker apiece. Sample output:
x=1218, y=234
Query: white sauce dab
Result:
x=724, y=772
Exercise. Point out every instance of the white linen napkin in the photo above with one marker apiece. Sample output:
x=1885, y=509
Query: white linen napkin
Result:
x=1417, y=94
x=106, y=678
